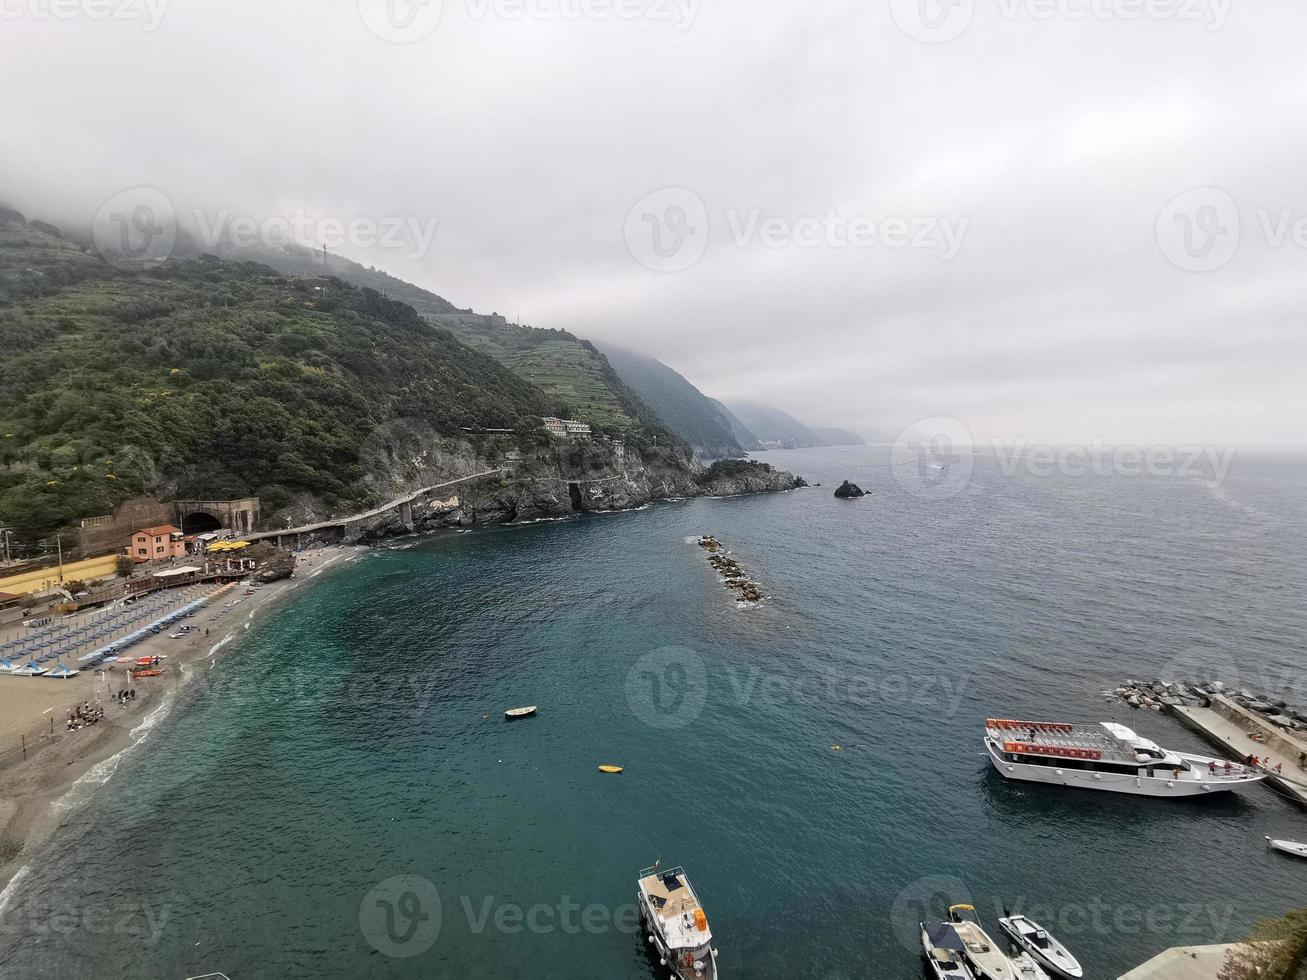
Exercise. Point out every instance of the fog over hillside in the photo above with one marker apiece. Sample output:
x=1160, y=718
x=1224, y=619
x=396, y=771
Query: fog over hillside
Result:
x=834, y=209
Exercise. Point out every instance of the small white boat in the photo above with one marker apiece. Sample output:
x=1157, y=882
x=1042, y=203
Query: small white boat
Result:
x=515, y=713
x=987, y=959
x=944, y=948
x=1289, y=847
x=1034, y=939
x=30, y=670
x=1027, y=968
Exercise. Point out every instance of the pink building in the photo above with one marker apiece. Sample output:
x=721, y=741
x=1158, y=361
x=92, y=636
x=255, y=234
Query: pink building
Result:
x=155, y=543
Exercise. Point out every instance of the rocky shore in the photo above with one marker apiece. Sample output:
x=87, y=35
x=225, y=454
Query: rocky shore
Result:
x=1158, y=695
x=549, y=486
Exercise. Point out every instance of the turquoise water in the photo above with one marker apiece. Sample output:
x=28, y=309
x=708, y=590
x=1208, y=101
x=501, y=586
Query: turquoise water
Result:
x=337, y=766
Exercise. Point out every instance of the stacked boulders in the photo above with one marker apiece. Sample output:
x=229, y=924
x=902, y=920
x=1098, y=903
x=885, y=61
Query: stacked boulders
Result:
x=730, y=570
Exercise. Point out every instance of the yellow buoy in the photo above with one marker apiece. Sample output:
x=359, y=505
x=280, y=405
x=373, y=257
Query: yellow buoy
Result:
x=611, y=770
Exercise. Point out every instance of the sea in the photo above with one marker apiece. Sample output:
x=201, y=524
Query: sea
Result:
x=339, y=794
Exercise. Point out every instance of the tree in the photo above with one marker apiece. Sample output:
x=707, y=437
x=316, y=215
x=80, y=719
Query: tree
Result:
x=1276, y=950
x=123, y=566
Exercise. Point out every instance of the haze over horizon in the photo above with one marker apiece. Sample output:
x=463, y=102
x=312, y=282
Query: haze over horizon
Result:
x=1115, y=255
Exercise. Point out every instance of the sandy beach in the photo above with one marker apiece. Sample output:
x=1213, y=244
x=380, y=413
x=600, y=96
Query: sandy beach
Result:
x=34, y=710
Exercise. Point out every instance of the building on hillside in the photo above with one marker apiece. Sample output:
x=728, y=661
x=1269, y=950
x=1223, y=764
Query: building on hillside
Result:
x=566, y=428
x=155, y=543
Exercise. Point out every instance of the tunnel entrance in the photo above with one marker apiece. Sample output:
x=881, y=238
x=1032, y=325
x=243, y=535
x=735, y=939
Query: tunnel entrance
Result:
x=199, y=522
x=574, y=491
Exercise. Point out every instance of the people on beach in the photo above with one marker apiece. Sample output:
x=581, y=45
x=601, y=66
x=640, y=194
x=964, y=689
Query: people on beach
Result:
x=83, y=716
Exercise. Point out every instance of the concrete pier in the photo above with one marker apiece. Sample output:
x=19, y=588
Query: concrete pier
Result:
x=1231, y=727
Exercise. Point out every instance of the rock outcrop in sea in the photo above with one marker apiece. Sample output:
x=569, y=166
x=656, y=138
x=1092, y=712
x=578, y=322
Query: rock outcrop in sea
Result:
x=730, y=570
x=848, y=491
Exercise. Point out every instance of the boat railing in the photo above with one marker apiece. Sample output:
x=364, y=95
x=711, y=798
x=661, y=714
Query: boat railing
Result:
x=661, y=872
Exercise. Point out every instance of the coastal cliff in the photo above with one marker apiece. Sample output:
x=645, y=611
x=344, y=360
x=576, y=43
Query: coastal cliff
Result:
x=553, y=482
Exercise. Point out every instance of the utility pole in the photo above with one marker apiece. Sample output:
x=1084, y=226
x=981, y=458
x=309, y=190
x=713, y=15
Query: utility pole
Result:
x=7, y=558
x=59, y=541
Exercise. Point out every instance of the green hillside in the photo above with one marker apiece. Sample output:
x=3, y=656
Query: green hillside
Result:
x=687, y=411
x=211, y=378
x=577, y=379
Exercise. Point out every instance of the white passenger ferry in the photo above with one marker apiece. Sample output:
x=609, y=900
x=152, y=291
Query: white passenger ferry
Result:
x=1108, y=757
x=677, y=924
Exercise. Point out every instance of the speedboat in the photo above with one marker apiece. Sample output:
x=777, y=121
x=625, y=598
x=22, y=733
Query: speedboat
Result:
x=676, y=924
x=944, y=949
x=1107, y=757
x=1289, y=847
x=1034, y=939
x=987, y=959
x=513, y=714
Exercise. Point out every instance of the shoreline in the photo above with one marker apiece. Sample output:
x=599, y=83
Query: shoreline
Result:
x=42, y=789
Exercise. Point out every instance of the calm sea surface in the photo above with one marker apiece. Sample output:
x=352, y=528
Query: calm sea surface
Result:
x=334, y=802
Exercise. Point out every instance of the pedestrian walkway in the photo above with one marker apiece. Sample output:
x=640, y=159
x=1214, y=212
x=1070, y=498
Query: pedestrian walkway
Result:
x=1220, y=730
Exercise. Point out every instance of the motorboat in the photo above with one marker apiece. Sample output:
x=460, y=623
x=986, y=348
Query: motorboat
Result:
x=676, y=926
x=1038, y=942
x=1288, y=847
x=944, y=952
x=514, y=714
x=1107, y=756
x=985, y=957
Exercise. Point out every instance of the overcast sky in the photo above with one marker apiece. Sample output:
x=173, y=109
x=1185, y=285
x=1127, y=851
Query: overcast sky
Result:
x=1048, y=281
